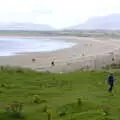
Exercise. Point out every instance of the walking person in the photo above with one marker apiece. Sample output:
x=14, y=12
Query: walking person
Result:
x=111, y=80
x=53, y=63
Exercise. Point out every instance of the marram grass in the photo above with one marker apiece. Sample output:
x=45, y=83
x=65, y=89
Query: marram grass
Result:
x=48, y=96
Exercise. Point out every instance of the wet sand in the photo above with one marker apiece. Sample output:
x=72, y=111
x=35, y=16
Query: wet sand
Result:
x=88, y=54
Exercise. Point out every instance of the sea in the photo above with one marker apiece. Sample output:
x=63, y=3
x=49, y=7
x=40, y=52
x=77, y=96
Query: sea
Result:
x=10, y=46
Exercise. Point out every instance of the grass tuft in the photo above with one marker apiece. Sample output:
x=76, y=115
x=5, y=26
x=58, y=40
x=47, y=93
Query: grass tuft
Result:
x=43, y=91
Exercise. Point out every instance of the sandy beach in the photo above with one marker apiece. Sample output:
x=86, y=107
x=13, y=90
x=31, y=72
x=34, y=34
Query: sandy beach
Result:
x=87, y=54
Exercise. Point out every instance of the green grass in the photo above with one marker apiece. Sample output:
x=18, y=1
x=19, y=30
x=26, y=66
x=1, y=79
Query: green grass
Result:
x=57, y=95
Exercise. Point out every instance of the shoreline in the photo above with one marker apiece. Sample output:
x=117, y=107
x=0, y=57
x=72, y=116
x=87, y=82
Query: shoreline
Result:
x=83, y=56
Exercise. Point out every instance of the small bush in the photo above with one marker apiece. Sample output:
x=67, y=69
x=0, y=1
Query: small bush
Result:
x=106, y=110
x=108, y=118
x=15, y=109
x=49, y=115
x=61, y=114
x=62, y=111
x=4, y=85
x=79, y=102
x=36, y=99
x=7, y=108
x=45, y=108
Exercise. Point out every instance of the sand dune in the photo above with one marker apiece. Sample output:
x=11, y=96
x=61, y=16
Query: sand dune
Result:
x=88, y=54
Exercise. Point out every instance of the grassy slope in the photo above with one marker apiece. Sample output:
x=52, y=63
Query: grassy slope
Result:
x=61, y=91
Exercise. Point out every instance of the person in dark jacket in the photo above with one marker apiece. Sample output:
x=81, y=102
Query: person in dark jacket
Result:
x=53, y=63
x=111, y=80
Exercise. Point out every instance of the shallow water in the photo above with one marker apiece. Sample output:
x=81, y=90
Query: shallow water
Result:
x=10, y=46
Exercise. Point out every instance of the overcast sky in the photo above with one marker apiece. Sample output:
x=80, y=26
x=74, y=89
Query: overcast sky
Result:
x=58, y=13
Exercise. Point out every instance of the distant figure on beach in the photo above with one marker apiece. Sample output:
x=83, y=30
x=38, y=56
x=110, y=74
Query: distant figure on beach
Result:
x=53, y=63
x=111, y=80
x=113, y=59
x=82, y=54
x=33, y=59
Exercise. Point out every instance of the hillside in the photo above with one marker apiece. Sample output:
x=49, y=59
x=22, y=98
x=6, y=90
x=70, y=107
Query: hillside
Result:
x=32, y=95
x=109, y=22
x=25, y=26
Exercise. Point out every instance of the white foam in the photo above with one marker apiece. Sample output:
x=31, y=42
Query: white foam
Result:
x=14, y=45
